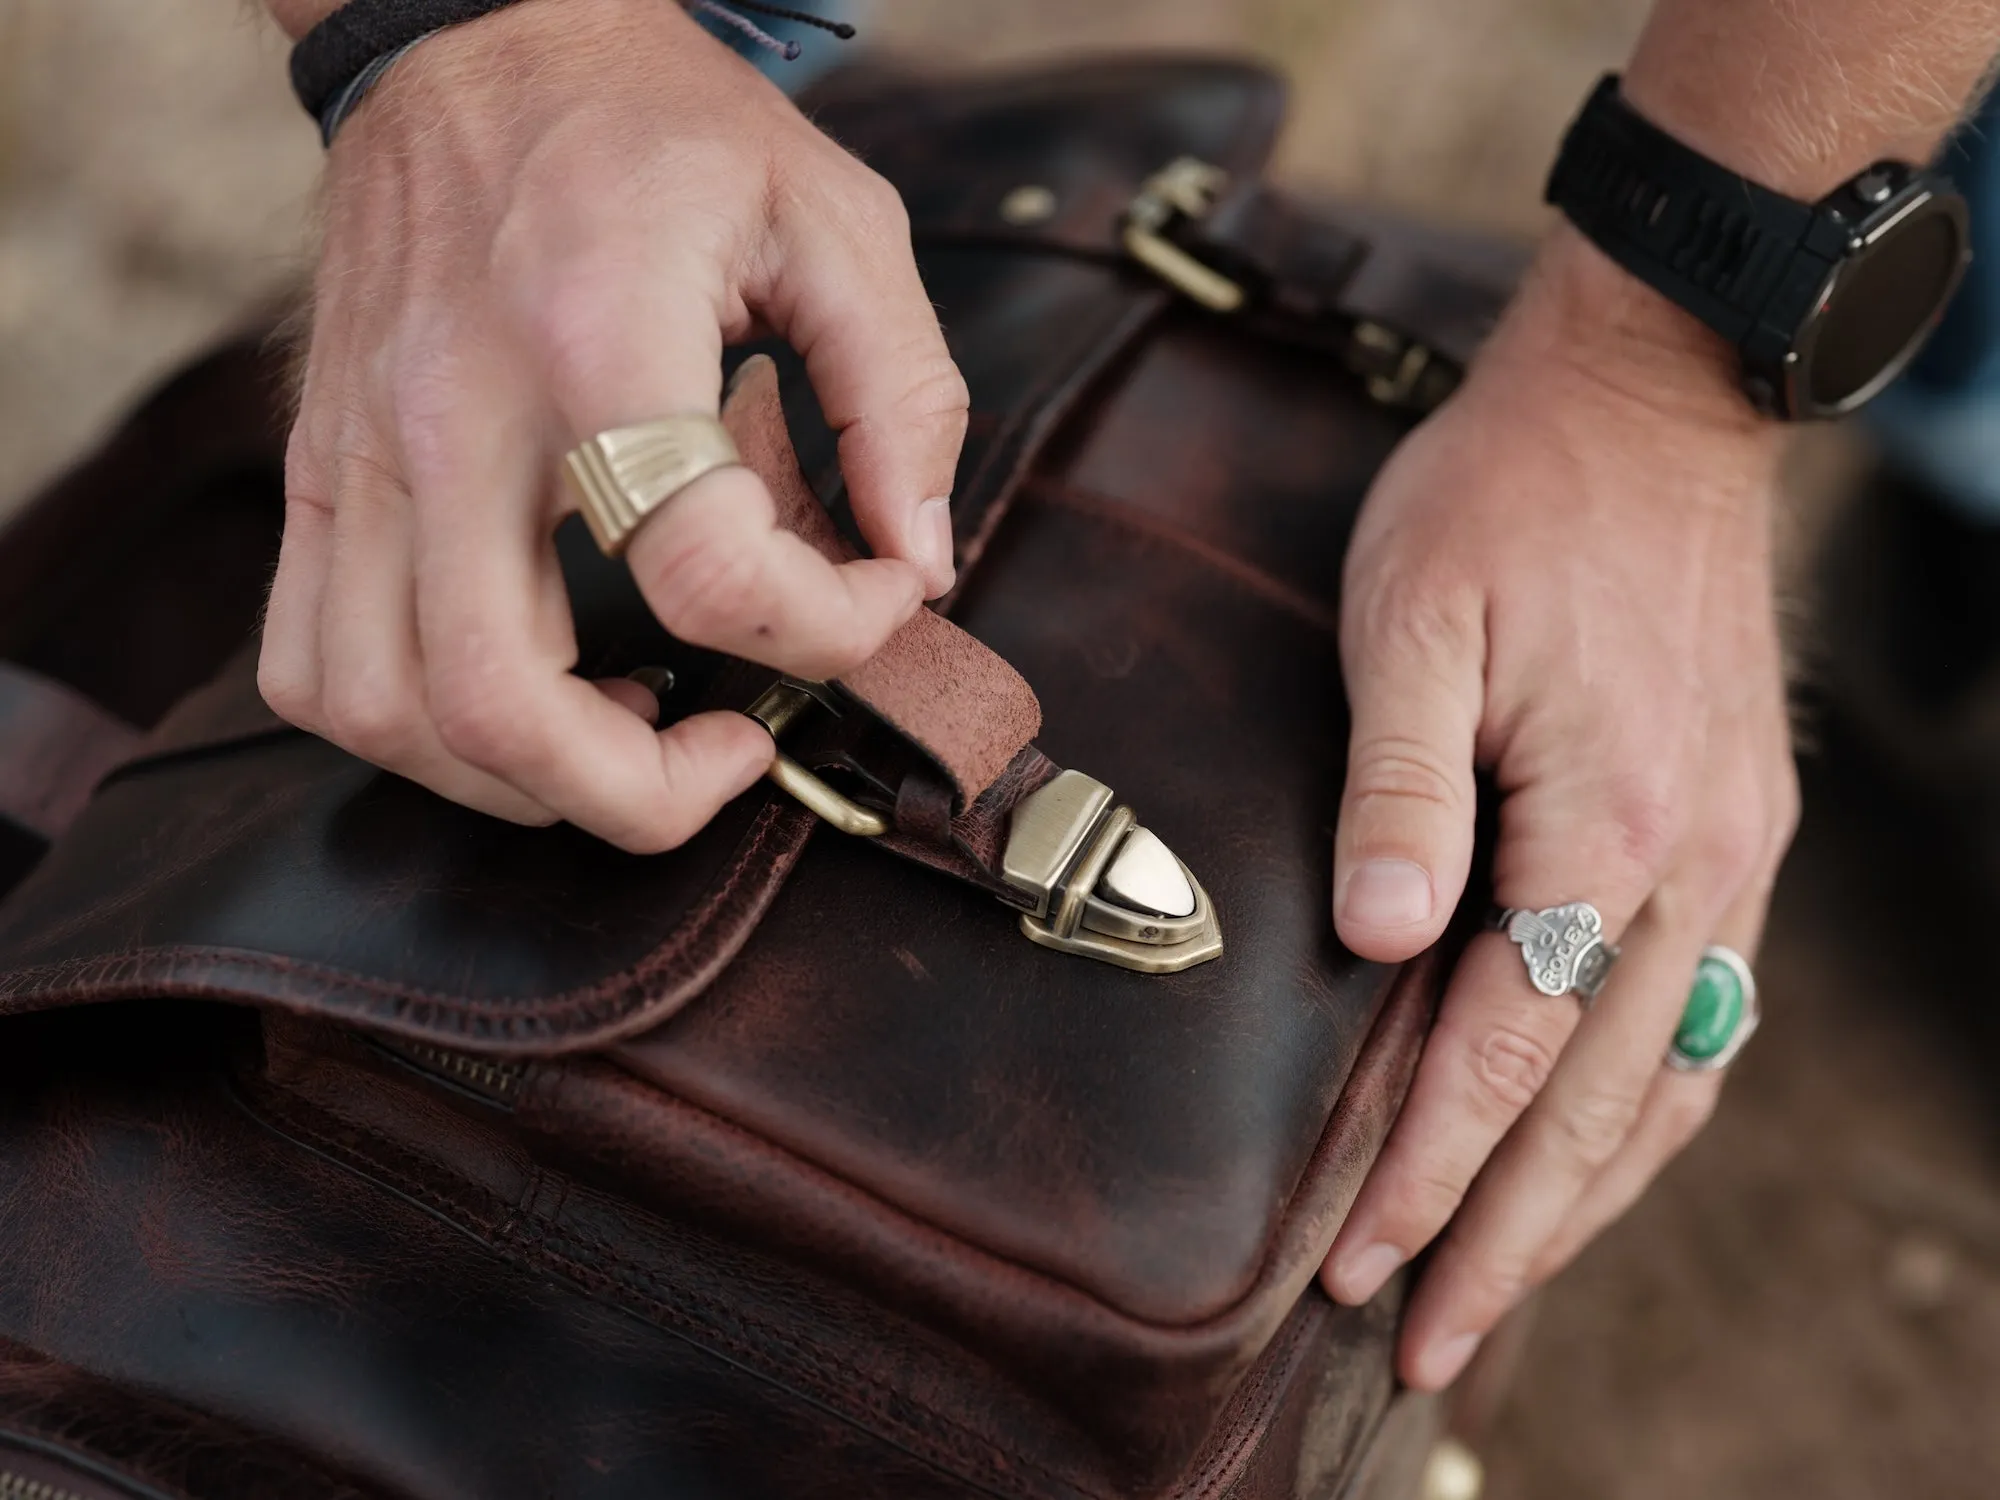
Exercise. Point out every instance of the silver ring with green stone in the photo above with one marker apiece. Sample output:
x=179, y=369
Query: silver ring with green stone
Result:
x=1720, y=1015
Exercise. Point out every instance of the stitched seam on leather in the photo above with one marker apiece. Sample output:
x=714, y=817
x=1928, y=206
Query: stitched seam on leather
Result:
x=507, y=1224
x=1246, y=575
x=1270, y=1381
x=956, y=1244
x=550, y=1240
x=608, y=1001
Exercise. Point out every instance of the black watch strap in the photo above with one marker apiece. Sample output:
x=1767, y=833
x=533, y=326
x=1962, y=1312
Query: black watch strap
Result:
x=1711, y=240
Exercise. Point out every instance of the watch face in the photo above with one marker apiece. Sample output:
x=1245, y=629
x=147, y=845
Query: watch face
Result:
x=1880, y=305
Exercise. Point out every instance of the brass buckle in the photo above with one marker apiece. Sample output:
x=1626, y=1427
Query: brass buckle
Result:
x=1394, y=367
x=1064, y=844
x=777, y=709
x=1184, y=188
x=1090, y=880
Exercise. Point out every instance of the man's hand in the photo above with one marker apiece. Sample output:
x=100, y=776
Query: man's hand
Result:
x=541, y=225
x=1564, y=576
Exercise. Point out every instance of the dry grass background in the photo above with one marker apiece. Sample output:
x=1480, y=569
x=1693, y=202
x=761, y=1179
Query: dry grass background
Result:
x=1808, y=1306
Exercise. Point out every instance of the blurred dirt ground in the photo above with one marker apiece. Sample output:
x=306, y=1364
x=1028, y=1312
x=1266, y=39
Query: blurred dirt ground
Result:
x=1808, y=1305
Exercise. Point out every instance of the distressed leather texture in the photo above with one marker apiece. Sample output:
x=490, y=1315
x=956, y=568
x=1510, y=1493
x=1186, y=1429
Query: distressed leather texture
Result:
x=951, y=696
x=442, y=1157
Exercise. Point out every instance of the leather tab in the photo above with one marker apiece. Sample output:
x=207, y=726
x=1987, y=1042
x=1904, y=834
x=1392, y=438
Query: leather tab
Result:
x=939, y=687
x=55, y=746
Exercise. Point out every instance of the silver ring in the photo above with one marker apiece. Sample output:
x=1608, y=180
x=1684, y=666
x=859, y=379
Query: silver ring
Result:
x=1563, y=947
x=1720, y=1015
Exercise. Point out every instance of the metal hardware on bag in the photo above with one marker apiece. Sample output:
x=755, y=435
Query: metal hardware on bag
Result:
x=1063, y=840
x=495, y=1081
x=14, y=1487
x=1067, y=913
x=776, y=710
x=1396, y=370
x=1393, y=367
x=1184, y=188
x=1048, y=829
x=1030, y=203
x=1095, y=882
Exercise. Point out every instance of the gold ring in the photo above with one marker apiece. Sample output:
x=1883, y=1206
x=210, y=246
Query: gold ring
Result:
x=622, y=476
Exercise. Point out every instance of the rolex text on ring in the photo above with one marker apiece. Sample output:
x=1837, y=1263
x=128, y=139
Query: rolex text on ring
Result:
x=622, y=476
x=1563, y=947
x=1720, y=1014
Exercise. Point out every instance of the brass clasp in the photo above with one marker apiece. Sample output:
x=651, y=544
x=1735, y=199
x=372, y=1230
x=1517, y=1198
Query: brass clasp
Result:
x=779, y=706
x=1184, y=188
x=1100, y=886
x=1087, y=878
x=1398, y=371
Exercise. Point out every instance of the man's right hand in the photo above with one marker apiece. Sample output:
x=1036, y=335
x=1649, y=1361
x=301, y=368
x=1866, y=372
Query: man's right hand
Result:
x=541, y=225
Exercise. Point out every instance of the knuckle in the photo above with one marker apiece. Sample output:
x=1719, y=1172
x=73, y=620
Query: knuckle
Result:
x=1413, y=616
x=835, y=190
x=367, y=714
x=479, y=725
x=1647, y=811
x=1404, y=769
x=880, y=215
x=1422, y=1202
x=1594, y=1125
x=285, y=690
x=1510, y=1067
x=937, y=391
x=1500, y=1283
x=1786, y=809
x=1735, y=849
x=700, y=584
x=1687, y=1111
x=307, y=482
x=931, y=398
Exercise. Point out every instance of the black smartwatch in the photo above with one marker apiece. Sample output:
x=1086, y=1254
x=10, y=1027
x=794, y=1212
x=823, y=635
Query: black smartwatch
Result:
x=1826, y=302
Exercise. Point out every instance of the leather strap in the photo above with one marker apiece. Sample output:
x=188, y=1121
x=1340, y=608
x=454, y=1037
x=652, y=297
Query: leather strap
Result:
x=1315, y=273
x=935, y=685
x=1330, y=280
x=55, y=746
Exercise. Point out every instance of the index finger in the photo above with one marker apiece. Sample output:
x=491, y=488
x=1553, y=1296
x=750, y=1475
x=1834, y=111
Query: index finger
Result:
x=713, y=563
x=848, y=296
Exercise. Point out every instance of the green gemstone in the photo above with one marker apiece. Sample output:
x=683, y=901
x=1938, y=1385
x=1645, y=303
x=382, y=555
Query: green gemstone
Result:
x=1714, y=1011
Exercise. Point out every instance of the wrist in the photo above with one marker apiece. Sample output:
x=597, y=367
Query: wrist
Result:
x=1579, y=311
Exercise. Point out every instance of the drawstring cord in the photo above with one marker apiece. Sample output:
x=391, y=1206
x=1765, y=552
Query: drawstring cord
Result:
x=345, y=55
x=730, y=13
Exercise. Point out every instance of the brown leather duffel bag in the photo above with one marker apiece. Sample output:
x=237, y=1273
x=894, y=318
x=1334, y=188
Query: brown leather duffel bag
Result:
x=352, y=1144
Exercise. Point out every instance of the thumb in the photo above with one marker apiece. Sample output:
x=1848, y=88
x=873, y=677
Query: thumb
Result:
x=851, y=302
x=1403, y=846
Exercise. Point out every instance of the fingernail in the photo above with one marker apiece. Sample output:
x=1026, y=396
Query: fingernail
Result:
x=1385, y=893
x=933, y=542
x=1441, y=1363
x=1361, y=1274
